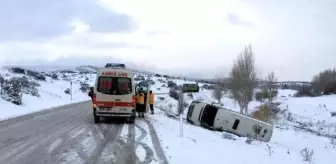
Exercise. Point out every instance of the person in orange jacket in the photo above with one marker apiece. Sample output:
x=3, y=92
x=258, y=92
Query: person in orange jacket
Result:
x=141, y=102
x=151, y=101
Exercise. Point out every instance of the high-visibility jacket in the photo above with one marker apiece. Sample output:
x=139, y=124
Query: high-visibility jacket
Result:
x=141, y=98
x=151, y=98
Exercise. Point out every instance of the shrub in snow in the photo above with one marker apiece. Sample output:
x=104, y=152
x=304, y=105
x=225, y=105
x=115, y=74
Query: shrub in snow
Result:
x=150, y=81
x=161, y=98
x=333, y=114
x=290, y=117
x=54, y=76
x=217, y=93
x=174, y=94
x=171, y=84
x=265, y=94
x=139, y=78
x=67, y=91
x=325, y=82
x=2, y=80
x=259, y=96
x=270, y=88
x=307, y=154
x=185, y=104
x=249, y=140
x=228, y=136
x=305, y=91
x=330, y=88
x=333, y=142
x=18, y=70
x=264, y=113
x=28, y=86
x=190, y=95
x=34, y=83
x=36, y=75
x=208, y=87
x=270, y=151
x=163, y=85
x=84, y=87
x=12, y=91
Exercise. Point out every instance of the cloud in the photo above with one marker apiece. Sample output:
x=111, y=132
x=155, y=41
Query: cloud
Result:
x=237, y=20
x=293, y=38
x=34, y=19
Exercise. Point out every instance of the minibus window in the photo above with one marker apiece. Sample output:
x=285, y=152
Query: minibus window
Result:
x=235, y=124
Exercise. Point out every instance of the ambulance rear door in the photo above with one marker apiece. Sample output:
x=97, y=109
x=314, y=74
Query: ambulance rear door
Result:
x=114, y=88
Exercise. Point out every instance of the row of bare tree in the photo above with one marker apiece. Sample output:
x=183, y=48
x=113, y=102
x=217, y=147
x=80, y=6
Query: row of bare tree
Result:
x=243, y=81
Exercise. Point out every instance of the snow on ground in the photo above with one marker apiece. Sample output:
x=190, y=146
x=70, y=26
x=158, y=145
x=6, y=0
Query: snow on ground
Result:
x=199, y=145
x=51, y=95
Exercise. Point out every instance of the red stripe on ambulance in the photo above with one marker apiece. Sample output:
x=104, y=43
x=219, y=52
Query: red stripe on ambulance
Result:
x=114, y=104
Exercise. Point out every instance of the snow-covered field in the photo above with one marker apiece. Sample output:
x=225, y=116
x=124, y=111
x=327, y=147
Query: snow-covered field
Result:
x=291, y=132
x=199, y=145
x=51, y=95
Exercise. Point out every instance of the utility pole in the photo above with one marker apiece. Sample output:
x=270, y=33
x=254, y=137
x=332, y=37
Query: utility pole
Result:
x=180, y=111
x=71, y=90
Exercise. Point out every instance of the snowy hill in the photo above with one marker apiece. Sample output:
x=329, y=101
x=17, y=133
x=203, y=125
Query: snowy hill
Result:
x=304, y=125
x=51, y=93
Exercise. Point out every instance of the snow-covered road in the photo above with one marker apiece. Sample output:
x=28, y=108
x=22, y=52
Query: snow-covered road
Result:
x=67, y=135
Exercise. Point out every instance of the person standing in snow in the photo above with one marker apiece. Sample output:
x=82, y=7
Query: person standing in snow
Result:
x=137, y=105
x=151, y=101
x=141, y=102
x=91, y=93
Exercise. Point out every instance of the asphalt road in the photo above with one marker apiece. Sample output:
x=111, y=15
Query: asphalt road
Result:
x=67, y=135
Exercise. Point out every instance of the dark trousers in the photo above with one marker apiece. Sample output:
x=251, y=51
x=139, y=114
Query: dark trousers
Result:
x=151, y=106
x=137, y=108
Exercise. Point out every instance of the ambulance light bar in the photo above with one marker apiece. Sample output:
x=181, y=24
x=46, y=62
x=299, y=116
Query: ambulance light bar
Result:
x=115, y=65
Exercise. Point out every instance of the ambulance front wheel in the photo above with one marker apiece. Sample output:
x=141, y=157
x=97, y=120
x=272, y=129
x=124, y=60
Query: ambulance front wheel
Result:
x=132, y=118
x=95, y=117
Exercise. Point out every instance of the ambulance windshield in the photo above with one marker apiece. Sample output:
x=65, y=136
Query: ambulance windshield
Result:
x=114, y=85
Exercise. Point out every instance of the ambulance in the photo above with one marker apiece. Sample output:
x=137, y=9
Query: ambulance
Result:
x=114, y=93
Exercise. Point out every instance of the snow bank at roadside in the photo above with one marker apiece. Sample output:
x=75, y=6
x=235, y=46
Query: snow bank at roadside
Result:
x=199, y=145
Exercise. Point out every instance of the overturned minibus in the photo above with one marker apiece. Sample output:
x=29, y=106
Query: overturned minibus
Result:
x=222, y=119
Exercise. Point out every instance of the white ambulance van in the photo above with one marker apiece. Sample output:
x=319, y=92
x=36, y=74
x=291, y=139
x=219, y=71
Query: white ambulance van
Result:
x=114, y=92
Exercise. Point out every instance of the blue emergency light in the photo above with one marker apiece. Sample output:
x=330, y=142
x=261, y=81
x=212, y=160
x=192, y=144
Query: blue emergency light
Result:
x=115, y=65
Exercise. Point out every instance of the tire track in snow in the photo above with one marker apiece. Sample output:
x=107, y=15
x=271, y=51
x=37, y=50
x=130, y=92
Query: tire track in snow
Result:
x=156, y=143
x=43, y=140
x=149, y=152
x=112, y=134
x=130, y=146
x=58, y=136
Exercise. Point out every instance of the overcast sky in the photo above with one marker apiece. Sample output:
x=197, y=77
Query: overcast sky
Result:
x=293, y=38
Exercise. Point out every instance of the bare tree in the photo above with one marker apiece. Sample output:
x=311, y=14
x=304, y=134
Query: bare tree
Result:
x=271, y=89
x=325, y=81
x=217, y=93
x=2, y=81
x=243, y=78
